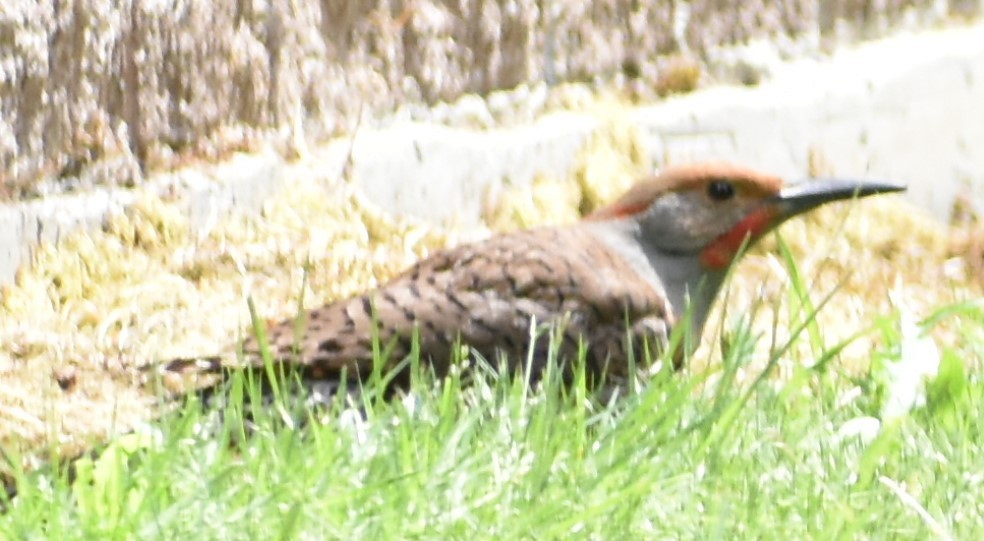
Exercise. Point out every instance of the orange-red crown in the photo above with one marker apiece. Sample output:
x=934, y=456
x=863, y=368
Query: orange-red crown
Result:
x=748, y=182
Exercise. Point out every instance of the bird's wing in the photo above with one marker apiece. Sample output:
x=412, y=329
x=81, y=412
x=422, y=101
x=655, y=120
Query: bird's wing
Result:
x=484, y=294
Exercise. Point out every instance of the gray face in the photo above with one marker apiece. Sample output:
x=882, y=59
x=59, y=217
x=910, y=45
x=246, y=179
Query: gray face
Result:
x=686, y=222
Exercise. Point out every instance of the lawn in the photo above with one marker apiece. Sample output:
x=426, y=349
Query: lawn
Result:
x=728, y=451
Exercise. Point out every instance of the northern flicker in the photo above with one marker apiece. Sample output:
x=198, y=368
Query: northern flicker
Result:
x=624, y=276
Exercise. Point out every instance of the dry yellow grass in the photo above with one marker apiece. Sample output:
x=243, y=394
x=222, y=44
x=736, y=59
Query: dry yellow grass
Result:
x=92, y=309
x=76, y=326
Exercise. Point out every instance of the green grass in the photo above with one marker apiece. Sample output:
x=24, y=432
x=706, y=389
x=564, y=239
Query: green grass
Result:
x=720, y=454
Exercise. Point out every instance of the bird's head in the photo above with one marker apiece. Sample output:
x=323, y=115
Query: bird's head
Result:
x=710, y=211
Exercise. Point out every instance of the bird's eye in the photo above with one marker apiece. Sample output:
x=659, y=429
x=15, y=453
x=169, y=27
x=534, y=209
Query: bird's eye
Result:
x=720, y=190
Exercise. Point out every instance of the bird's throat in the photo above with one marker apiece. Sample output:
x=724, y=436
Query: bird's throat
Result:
x=722, y=250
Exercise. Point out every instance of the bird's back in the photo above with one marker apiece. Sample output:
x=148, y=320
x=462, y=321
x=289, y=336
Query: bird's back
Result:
x=484, y=295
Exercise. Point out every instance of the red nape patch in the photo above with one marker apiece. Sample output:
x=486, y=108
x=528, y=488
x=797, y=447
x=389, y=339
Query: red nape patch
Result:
x=722, y=250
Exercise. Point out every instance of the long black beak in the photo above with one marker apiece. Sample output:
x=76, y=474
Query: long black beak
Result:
x=810, y=194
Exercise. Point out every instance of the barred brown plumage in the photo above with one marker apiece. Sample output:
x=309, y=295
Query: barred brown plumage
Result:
x=624, y=276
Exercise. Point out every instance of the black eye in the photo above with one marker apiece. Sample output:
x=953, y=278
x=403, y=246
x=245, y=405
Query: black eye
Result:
x=721, y=190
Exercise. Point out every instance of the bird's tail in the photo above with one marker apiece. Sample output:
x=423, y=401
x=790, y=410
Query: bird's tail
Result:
x=178, y=377
x=208, y=377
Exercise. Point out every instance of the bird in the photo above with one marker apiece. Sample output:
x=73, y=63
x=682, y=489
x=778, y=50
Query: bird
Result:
x=616, y=282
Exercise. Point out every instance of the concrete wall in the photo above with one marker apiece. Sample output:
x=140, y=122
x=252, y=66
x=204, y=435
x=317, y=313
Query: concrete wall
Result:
x=103, y=92
x=910, y=108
